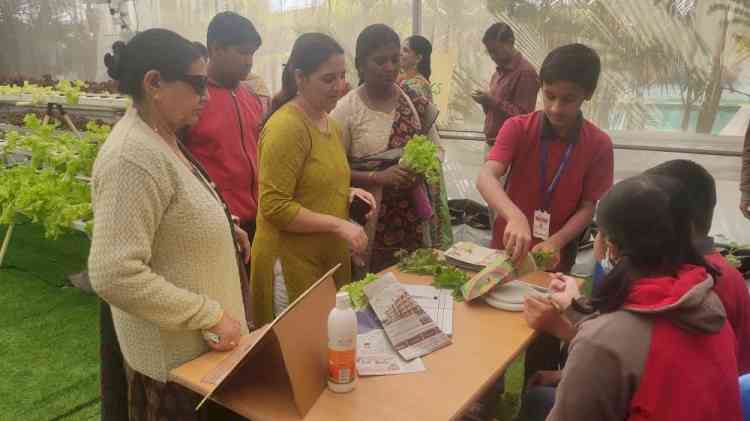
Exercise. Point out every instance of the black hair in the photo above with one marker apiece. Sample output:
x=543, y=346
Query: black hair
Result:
x=648, y=218
x=700, y=185
x=201, y=49
x=369, y=40
x=499, y=31
x=575, y=63
x=230, y=29
x=154, y=49
x=308, y=53
x=422, y=47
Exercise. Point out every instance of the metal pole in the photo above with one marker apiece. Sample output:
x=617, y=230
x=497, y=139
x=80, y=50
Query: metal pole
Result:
x=416, y=17
x=455, y=135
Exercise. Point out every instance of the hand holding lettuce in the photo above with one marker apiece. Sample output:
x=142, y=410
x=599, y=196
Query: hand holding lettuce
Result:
x=421, y=157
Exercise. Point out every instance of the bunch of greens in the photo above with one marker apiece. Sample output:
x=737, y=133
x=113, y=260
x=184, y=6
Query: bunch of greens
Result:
x=421, y=156
x=11, y=90
x=52, y=187
x=59, y=150
x=356, y=291
x=428, y=262
x=71, y=90
x=421, y=261
x=544, y=259
x=45, y=197
x=448, y=277
x=42, y=94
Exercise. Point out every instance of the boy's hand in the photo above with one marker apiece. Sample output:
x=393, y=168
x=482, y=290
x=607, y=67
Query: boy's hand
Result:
x=549, y=246
x=517, y=237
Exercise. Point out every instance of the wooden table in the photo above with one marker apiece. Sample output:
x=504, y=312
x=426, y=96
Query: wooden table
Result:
x=485, y=342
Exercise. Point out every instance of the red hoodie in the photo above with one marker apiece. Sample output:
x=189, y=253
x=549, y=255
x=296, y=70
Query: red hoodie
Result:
x=732, y=290
x=225, y=142
x=666, y=355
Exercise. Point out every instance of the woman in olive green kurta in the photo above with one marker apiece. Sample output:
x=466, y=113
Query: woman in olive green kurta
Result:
x=304, y=182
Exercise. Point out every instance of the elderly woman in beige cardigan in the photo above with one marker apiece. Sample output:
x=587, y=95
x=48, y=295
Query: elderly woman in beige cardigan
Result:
x=164, y=249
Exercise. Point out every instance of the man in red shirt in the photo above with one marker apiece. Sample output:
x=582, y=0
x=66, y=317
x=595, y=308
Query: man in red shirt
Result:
x=560, y=164
x=514, y=85
x=225, y=138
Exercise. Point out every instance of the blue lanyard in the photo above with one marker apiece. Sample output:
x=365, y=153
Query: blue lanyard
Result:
x=547, y=191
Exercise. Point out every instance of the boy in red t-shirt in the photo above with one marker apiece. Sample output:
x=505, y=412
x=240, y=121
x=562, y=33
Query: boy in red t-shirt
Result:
x=558, y=163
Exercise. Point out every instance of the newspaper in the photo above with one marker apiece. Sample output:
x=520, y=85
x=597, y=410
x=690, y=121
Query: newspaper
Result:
x=409, y=328
x=437, y=303
x=376, y=356
x=470, y=256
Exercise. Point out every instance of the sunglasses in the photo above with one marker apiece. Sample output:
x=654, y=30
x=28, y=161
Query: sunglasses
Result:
x=197, y=82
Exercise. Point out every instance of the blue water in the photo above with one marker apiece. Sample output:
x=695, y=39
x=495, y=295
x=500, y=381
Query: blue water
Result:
x=671, y=118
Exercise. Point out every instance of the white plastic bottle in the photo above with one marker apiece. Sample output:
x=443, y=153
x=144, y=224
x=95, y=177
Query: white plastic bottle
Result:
x=342, y=346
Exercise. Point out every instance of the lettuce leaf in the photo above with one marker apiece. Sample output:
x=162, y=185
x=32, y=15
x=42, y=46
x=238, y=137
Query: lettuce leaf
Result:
x=421, y=157
x=356, y=291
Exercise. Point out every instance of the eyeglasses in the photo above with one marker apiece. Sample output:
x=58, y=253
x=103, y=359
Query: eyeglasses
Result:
x=197, y=82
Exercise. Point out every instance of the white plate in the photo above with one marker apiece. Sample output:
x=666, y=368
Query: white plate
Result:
x=510, y=296
x=502, y=305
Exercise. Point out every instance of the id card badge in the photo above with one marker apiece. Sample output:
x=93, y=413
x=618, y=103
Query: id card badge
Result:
x=541, y=224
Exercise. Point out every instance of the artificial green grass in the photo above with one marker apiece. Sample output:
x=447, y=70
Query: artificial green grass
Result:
x=510, y=401
x=49, y=357
x=49, y=334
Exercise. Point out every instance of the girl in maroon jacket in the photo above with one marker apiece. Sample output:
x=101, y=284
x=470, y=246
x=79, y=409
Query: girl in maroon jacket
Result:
x=657, y=346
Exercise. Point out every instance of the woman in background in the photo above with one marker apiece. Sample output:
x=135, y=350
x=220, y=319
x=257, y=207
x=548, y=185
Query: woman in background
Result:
x=416, y=65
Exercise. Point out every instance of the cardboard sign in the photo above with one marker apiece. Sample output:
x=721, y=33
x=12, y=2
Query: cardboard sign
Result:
x=284, y=361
